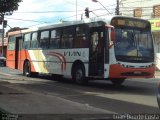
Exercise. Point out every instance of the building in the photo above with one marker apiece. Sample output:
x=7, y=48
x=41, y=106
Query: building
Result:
x=146, y=9
x=4, y=46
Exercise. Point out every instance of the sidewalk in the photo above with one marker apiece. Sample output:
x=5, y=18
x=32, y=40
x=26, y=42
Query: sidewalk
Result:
x=7, y=70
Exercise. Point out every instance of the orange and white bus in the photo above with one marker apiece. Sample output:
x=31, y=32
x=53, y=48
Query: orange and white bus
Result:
x=113, y=48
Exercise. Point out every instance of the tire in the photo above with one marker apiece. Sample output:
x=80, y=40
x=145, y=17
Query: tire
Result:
x=27, y=69
x=79, y=75
x=117, y=81
x=57, y=77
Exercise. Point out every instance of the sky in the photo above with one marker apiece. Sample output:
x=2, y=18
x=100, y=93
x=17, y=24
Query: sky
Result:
x=33, y=13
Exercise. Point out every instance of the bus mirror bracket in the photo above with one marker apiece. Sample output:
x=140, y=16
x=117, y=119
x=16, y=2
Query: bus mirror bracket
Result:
x=112, y=33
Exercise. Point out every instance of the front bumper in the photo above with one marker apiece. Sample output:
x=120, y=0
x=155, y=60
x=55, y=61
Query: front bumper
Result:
x=119, y=71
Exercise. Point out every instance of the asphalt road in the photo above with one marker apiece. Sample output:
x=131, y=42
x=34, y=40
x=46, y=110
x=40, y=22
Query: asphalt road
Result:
x=42, y=95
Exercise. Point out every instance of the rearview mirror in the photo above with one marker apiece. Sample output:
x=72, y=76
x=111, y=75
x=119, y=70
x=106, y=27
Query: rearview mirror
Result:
x=113, y=35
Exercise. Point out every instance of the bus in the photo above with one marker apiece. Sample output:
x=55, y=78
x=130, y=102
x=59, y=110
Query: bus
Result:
x=113, y=48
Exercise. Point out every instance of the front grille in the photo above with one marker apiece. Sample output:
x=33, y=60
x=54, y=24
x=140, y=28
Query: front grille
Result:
x=135, y=74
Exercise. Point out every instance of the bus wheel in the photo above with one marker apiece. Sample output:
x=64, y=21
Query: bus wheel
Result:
x=117, y=81
x=27, y=69
x=57, y=77
x=79, y=75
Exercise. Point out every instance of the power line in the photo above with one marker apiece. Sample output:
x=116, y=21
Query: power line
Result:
x=33, y=25
x=138, y=1
x=47, y=11
x=138, y=7
x=62, y=11
x=45, y=21
x=28, y=20
x=71, y=16
x=54, y=11
x=73, y=3
x=50, y=11
x=59, y=11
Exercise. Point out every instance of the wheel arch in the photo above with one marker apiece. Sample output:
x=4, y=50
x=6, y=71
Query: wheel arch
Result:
x=26, y=60
x=77, y=62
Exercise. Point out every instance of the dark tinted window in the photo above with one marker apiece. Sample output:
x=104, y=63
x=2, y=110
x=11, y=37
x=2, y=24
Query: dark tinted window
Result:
x=26, y=42
x=81, y=37
x=68, y=37
x=44, y=39
x=34, y=40
x=55, y=38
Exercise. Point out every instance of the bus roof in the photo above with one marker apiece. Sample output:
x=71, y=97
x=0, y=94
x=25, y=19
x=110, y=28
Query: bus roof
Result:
x=107, y=20
x=22, y=31
x=69, y=23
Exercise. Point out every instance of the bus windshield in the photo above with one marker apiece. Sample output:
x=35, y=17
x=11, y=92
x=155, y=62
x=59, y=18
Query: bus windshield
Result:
x=133, y=45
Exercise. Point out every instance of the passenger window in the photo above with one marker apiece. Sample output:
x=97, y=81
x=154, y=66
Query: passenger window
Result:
x=34, y=40
x=11, y=44
x=55, y=38
x=26, y=42
x=68, y=37
x=81, y=39
x=44, y=39
x=94, y=39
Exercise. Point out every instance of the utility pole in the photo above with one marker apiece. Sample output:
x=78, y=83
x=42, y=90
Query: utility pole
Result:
x=4, y=25
x=117, y=8
x=2, y=18
x=76, y=10
x=102, y=5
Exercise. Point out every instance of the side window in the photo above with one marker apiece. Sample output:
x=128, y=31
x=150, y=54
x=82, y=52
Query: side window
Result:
x=34, y=40
x=55, y=38
x=44, y=39
x=26, y=42
x=68, y=37
x=94, y=40
x=81, y=39
x=11, y=44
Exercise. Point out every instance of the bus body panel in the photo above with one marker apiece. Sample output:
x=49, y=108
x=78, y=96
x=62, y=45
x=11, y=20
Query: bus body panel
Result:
x=61, y=60
x=157, y=61
x=11, y=59
x=37, y=60
x=25, y=56
x=121, y=71
x=106, y=70
x=54, y=61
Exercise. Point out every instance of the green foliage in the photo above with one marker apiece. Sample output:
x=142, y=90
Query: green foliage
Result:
x=8, y=6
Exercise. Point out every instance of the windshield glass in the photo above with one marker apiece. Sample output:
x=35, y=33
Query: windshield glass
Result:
x=134, y=45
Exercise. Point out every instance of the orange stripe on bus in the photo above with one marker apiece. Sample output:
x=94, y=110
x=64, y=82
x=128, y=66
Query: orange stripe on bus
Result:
x=61, y=58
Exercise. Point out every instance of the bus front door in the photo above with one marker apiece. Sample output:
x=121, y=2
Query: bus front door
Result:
x=96, y=61
x=17, y=55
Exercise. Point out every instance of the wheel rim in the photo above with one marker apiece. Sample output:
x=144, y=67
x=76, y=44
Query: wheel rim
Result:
x=79, y=75
x=27, y=69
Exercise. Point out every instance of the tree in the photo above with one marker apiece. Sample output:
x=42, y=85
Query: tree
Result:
x=8, y=6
